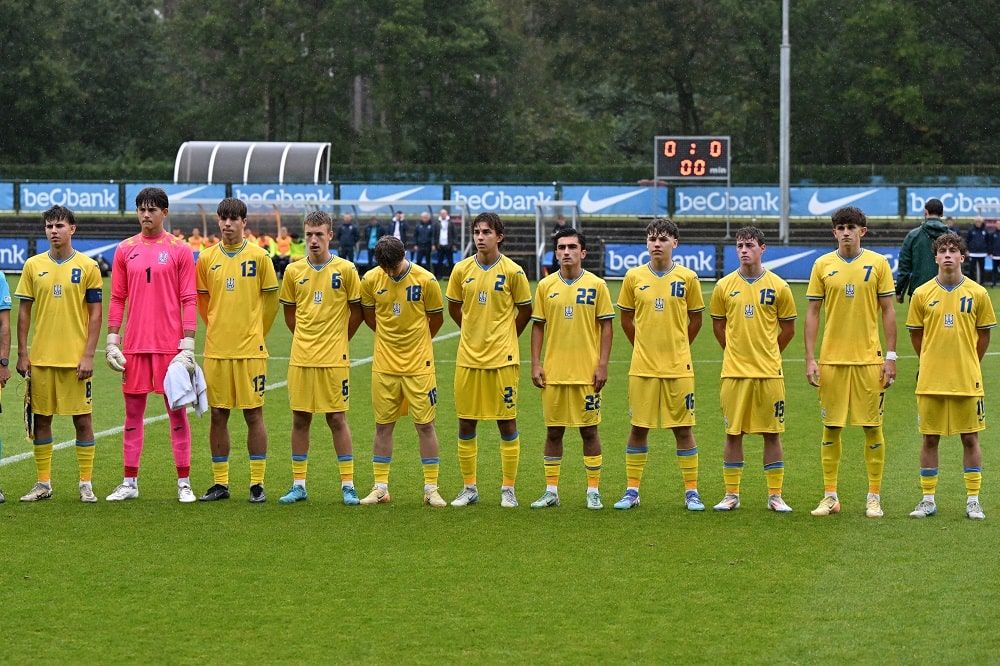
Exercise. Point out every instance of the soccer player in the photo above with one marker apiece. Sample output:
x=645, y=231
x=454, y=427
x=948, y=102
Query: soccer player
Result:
x=64, y=289
x=661, y=308
x=402, y=303
x=753, y=318
x=855, y=289
x=949, y=320
x=572, y=316
x=4, y=343
x=238, y=299
x=153, y=277
x=322, y=306
x=490, y=299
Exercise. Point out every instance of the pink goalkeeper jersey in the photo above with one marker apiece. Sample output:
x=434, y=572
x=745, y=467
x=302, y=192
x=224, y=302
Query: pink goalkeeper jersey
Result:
x=156, y=277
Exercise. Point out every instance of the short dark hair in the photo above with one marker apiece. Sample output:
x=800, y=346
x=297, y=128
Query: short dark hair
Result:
x=318, y=218
x=153, y=196
x=663, y=226
x=750, y=233
x=569, y=231
x=849, y=215
x=934, y=207
x=59, y=213
x=950, y=239
x=232, y=208
x=492, y=220
x=389, y=251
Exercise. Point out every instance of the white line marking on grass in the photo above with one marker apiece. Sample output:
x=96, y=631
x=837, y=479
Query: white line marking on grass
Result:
x=117, y=430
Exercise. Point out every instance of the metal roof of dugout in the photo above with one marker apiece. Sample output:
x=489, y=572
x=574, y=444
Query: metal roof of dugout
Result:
x=252, y=162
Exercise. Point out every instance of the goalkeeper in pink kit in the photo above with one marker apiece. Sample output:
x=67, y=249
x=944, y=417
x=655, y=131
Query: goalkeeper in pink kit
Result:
x=153, y=282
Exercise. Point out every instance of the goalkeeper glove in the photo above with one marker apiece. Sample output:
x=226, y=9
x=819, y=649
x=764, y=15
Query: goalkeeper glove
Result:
x=113, y=353
x=186, y=354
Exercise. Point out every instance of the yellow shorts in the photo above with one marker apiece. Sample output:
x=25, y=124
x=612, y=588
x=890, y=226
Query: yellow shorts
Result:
x=948, y=414
x=753, y=406
x=487, y=394
x=57, y=392
x=394, y=396
x=851, y=395
x=571, y=405
x=319, y=390
x=235, y=383
x=661, y=403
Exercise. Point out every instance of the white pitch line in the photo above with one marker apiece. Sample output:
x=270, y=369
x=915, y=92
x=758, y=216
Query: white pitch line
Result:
x=10, y=460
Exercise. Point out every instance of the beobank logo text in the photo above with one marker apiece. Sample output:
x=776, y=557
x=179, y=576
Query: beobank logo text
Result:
x=619, y=258
x=90, y=198
x=957, y=201
x=282, y=195
x=739, y=200
x=503, y=200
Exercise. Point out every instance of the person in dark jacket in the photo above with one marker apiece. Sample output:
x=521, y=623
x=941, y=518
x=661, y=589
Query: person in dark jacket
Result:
x=979, y=239
x=994, y=226
x=423, y=240
x=347, y=237
x=916, y=259
x=397, y=226
x=443, y=242
x=373, y=231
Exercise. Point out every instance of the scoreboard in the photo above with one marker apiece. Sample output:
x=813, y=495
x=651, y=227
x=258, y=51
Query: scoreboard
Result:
x=691, y=158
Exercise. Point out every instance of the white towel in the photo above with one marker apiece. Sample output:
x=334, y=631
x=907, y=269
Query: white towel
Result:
x=181, y=390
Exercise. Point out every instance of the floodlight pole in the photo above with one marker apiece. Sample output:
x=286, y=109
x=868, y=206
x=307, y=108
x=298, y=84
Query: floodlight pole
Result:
x=784, y=156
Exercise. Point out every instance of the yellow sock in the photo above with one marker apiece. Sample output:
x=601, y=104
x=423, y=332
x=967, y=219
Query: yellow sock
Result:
x=635, y=464
x=687, y=460
x=346, y=465
x=552, y=465
x=829, y=454
x=431, y=468
x=381, y=465
x=220, y=470
x=973, y=481
x=467, y=451
x=775, y=473
x=593, y=466
x=928, y=480
x=732, y=473
x=85, y=459
x=43, y=460
x=510, y=456
x=874, y=458
x=300, y=466
x=258, y=464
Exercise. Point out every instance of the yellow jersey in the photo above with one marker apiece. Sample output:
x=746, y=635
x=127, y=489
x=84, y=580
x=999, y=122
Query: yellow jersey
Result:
x=661, y=303
x=321, y=295
x=950, y=319
x=234, y=282
x=570, y=312
x=489, y=296
x=60, y=291
x=752, y=310
x=402, y=339
x=850, y=290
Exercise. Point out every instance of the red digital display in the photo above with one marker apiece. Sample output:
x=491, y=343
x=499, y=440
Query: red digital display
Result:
x=692, y=157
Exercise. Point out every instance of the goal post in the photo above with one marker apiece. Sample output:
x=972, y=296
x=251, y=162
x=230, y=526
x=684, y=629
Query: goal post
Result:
x=547, y=213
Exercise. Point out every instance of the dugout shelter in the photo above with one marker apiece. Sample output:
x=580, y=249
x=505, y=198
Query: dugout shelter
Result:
x=252, y=162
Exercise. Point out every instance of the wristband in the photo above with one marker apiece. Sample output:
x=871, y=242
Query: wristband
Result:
x=890, y=356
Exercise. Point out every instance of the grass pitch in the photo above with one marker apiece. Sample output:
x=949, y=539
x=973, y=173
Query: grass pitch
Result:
x=155, y=581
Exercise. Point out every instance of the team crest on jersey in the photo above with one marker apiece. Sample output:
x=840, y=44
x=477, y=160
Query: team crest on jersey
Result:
x=163, y=257
x=568, y=312
x=949, y=320
x=317, y=297
x=748, y=311
x=57, y=290
x=397, y=309
x=230, y=284
x=658, y=304
x=849, y=290
x=482, y=298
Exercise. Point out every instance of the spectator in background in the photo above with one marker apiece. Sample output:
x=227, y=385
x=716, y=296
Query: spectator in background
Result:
x=373, y=231
x=952, y=226
x=994, y=249
x=556, y=228
x=250, y=236
x=423, y=241
x=979, y=240
x=397, y=227
x=443, y=245
x=213, y=239
x=196, y=241
x=179, y=235
x=347, y=237
x=297, y=248
x=266, y=243
x=916, y=259
x=282, y=252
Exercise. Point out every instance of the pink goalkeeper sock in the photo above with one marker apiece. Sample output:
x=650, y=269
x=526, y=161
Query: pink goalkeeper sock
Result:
x=180, y=439
x=135, y=410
